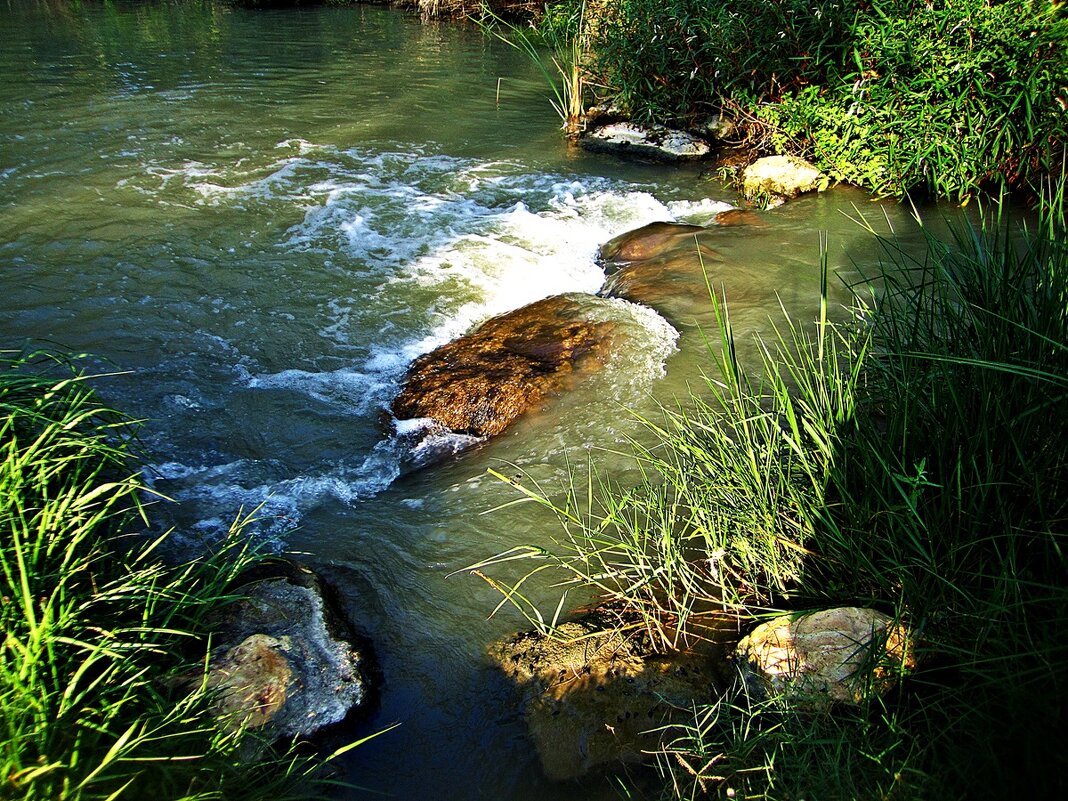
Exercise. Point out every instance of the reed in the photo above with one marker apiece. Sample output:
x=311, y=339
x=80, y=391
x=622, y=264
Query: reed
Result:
x=730, y=493
x=560, y=52
x=909, y=458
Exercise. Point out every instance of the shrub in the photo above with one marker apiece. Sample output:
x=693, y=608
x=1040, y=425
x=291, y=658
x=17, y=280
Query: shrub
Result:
x=893, y=95
x=670, y=58
x=950, y=96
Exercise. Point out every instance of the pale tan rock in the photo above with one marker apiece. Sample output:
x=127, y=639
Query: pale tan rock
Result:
x=782, y=176
x=833, y=655
x=595, y=698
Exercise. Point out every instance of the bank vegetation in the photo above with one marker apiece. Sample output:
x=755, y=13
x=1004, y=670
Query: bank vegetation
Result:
x=908, y=459
x=949, y=97
x=103, y=637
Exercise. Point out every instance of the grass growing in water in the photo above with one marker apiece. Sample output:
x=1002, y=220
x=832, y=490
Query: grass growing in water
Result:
x=566, y=43
x=95, y=623
x=910, y=459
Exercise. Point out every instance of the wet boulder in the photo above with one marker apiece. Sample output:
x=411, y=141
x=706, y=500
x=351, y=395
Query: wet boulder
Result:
x=740, y=217
x=644, y=243
x=654, y=142
x=477, y=385
x=672, y=284
x=595, y=698
x=285, y=660
x=817, y=658
x=670, y=268
x=774, y=178
x=662, y=266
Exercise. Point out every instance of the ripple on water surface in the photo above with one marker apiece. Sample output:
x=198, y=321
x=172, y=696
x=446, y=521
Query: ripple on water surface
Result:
x=424, y=247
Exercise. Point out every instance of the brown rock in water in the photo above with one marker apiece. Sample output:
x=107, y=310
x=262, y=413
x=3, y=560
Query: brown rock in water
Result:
x=674, y=283
x=821, y=657
x=646, y=242
x=480, y=383
x=252, y=680
x=670, y=267
x=658, y=265
x=594, y=697
x=740, y=217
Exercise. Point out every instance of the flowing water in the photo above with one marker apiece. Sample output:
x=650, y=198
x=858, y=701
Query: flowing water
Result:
x=259, y=218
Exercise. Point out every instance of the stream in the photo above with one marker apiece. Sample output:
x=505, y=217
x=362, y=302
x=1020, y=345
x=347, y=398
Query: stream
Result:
x=255, y=220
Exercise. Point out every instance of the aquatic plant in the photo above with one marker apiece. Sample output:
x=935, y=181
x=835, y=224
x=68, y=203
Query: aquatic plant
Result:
x=566, y=42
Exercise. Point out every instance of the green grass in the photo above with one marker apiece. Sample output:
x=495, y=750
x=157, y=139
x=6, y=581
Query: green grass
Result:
x=96, y=625
x=950, y=96
x=731, y=492
x=560, y=52
x=910, y=458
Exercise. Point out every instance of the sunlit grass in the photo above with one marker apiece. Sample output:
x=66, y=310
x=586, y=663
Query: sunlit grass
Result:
x=909, y=457
x=97, y=625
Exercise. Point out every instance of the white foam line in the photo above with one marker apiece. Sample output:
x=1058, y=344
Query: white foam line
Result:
x=485, y=237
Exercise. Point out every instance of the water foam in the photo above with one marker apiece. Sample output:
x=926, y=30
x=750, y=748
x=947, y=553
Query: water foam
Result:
x=477, y=238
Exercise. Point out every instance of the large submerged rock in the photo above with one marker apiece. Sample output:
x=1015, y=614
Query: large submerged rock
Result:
x=647, y=142
x=285, y=660
x=645, y=243
x=821, y=657
x=477, y=385
x=596, y=698
x=661, y=265
x=670, y=267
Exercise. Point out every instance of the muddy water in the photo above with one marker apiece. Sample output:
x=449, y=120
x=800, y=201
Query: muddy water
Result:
x=261, y=218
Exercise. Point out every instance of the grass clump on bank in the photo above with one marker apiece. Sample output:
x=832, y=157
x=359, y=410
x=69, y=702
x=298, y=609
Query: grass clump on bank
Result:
x=96, y=625
x=891, y=95
x=909, y=459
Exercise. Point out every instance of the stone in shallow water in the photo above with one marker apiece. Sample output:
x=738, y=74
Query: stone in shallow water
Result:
x=645, y=242
x=740, y=217
x=252, y=680
x=650, y=142
x=662, y=266
x=781, y=176
x=480, y=383
x=832, y=655
x=287, y=661
x=595, y=698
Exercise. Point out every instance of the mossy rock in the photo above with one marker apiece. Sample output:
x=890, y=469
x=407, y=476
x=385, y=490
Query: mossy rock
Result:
x=596, y=698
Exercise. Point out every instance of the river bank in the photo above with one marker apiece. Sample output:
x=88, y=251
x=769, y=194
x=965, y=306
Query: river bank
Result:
x=795, y=533
x=955, y=99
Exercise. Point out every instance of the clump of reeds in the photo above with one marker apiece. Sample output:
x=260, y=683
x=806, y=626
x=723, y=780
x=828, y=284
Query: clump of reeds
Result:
x=96, y=623
x=560, y=51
